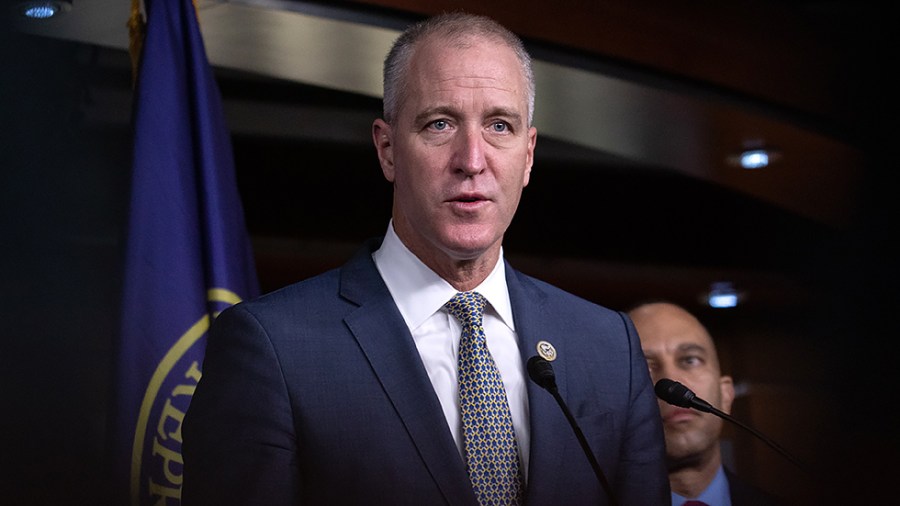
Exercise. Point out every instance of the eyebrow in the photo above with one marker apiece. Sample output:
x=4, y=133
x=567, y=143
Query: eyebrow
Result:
x=511, y=114
x=441, y=110
x=692, y=347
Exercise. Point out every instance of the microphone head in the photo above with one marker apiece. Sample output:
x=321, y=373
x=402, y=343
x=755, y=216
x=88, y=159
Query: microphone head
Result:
x=674, y=393
x=541, y=372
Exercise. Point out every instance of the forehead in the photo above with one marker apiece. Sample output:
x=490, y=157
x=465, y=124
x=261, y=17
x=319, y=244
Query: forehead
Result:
x=472, y=62
x=670, y=330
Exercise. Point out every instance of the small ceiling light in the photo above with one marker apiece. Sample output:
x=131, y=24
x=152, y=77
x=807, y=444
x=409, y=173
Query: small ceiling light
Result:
x=44, y=9
x=723, y=295
x=755, y=159
x=754, y=156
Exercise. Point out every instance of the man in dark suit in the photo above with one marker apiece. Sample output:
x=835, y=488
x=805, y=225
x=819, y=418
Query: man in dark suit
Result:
x=343, y=389
x=679, y=347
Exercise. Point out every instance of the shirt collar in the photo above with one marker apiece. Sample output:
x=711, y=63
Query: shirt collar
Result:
x=419, y=292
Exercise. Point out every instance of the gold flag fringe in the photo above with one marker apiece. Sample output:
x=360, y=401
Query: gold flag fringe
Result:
x=137, y=28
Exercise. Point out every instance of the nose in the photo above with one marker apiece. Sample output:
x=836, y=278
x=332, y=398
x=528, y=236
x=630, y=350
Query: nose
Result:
x=662, y=371
x=469, y=152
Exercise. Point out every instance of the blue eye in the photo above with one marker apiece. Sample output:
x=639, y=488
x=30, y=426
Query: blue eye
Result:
x=439, y=124
x=500, y=126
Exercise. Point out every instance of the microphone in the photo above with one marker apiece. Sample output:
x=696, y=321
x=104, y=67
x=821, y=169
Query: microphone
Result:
x=541, y=372
x=679, y=395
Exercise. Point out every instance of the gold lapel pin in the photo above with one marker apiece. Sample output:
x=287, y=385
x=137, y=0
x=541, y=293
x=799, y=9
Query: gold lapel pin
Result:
x=546, y=351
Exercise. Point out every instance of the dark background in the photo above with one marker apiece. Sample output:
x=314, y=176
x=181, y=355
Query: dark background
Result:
x=814, y=346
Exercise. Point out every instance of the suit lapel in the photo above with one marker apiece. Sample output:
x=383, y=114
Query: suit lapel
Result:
x=550, y=434
x=384, y=338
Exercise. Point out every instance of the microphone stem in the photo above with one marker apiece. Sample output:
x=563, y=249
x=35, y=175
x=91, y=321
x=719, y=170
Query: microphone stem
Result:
x=584, y=445
x=772, y=444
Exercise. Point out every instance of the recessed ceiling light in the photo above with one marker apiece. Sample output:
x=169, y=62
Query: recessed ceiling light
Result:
x=43, y=9
x=754, y=157
x=723, y=295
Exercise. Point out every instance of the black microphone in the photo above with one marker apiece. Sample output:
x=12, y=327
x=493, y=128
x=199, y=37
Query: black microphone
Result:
x=541, y=372
x=679, y=395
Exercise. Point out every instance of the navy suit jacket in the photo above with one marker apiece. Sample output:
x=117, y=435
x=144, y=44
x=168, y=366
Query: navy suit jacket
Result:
x=316, y=394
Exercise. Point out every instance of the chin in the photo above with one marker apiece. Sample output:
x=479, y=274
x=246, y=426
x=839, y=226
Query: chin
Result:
x=685, y=461
x=470, y=243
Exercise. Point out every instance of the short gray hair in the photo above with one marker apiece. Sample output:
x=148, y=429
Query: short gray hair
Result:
x=457, y=26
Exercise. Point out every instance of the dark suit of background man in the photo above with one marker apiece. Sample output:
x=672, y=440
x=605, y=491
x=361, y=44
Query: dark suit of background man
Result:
x=341, y=389
x=679, y=347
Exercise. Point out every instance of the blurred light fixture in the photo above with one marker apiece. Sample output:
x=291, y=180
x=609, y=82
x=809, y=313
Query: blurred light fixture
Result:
x=754, y=159
x=43, y=9
x=723, y=295
x=755, y=156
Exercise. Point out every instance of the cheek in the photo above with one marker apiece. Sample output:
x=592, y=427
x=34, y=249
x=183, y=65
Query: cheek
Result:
x=421, y=164
x=514, y=181
x=526, y=175
x=415, y=186
x=520, y=172
x=710, y=389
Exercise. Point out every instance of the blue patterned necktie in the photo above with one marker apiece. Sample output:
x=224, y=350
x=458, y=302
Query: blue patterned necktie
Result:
x=492, y=455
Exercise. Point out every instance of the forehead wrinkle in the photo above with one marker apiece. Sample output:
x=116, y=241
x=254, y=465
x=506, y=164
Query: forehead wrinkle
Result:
x=451, y=106
x=472, y=82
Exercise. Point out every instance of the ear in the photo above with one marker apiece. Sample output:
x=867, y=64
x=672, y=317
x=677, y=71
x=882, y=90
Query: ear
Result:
x=384, y=145
x=726, y=387
x=529, y=156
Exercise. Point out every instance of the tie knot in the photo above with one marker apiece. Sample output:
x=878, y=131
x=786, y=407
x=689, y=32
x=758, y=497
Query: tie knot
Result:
x=467, y=307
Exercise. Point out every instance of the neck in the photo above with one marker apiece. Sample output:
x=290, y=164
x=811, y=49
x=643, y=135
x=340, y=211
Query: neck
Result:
x=463, y=273
x=690, y=479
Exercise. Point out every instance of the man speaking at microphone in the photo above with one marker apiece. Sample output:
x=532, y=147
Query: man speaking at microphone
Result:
x=678, y=347
x=399, y=378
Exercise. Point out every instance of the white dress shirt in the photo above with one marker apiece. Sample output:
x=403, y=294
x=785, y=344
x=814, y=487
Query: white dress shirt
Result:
x=420, y=295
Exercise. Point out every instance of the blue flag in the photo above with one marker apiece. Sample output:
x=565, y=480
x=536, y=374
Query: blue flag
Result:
x=188, y=254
